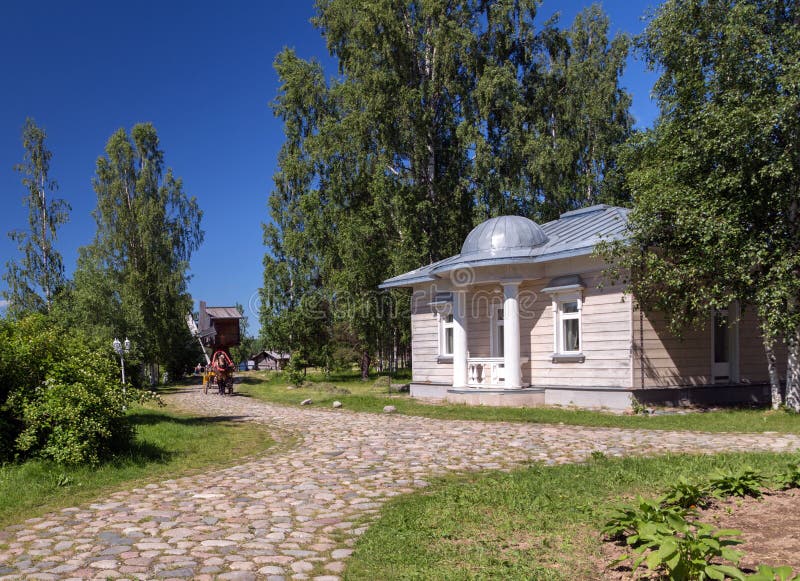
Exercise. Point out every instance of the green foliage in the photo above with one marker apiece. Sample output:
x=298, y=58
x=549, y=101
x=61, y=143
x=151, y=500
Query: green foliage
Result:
x=75, y=422
x=167, y=445
x=442, y=115
x=717, y=179
x=685, y=494
x=766, y=573
x=626, y=522
x=790, y=478
x=131, y=281
x=296, y=370
x=671, y=543
x=60, y=396
x=744, y=482
x=34, y=281
x=685, y=551
x=536, y=522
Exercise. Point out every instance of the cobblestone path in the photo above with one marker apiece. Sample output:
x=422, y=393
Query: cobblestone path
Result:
x=295, y=513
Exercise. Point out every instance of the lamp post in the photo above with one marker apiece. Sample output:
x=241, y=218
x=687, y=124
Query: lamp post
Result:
x=121, y=349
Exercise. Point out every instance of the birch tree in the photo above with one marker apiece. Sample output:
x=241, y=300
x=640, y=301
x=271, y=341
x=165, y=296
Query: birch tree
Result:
x=37, y=277
x=132, y=279
x=717, y=181
x=427, y=129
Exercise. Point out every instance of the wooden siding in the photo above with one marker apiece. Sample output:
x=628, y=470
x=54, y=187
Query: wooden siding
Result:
x=752, y=361
x=605, y=333
x=610, y=338
x=669, y=361
x=425, y=341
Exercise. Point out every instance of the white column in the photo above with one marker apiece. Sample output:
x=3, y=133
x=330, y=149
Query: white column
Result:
x=459, y=339
x=511, y=335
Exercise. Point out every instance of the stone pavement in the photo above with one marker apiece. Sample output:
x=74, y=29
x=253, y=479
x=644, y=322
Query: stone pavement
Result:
x=295, y=513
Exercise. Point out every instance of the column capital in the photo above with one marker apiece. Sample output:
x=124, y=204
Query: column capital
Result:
x=511, y=282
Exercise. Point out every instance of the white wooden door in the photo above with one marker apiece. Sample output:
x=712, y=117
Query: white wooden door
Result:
x=724, y=346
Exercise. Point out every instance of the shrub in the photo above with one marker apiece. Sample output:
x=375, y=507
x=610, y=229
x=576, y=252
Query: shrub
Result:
x=296, y=371
x=627, y=521
x=686, y=551
x=383, y=382
x=746, y=482
x=61, y=394
x=791, y=477
x=686, y=494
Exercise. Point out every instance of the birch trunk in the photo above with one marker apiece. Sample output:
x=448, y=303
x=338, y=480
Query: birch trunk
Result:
x=793, y=372
x=772, y=369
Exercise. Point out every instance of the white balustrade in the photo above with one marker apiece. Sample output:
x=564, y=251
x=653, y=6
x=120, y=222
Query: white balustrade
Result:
x=488, y=372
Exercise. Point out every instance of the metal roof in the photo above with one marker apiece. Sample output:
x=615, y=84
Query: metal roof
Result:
x=223, y=313
x=504, y=233
x=575, y=233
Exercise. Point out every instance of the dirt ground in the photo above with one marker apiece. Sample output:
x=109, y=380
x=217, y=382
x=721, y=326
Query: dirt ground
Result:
x=770, y=529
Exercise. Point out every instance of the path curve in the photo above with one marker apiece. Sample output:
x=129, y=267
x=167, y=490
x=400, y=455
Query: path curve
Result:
x=296, y=513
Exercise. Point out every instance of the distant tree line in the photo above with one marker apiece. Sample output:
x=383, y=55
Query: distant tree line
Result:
x=443, y=114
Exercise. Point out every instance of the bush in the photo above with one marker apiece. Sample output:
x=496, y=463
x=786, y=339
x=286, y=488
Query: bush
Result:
x=383, y=382
x=61, y=396
x=296, y=371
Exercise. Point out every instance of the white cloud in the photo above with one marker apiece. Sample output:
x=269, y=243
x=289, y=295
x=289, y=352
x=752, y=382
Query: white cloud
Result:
x=3, y=304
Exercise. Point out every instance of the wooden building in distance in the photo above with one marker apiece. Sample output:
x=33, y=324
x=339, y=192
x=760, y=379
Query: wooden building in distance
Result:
x=271, y=360
x=219, y=327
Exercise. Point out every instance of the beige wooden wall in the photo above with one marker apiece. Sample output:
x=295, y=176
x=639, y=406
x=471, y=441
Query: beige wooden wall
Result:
x=606, y=340
x=425, y=341
x=670, y=361
x=752, y=361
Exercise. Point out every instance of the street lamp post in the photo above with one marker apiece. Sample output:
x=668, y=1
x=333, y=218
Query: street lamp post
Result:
x=121, y=349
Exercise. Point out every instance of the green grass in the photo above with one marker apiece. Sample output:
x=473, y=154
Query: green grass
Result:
x=364, y=397
x=534, y=523
x=167, y=445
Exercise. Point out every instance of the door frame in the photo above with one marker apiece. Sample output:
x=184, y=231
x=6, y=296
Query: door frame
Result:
x=730, y=372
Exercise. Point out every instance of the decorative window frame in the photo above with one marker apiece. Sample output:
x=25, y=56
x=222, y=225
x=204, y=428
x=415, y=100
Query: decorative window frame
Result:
x=444, y=326
x=566, y=290
x=559, y=300
x=442, y=305
x=496, y=328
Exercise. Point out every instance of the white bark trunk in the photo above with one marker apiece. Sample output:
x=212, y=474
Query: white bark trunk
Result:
x=772, y=369
x=793, y=372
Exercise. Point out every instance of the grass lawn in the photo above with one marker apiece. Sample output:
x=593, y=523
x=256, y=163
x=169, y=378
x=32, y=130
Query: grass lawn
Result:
x=167, y=445
x=271, y=386
x=534, y=523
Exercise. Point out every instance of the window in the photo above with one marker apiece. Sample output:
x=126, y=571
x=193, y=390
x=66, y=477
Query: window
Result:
x=568, y=325
x=446, y=335
x=498, y=333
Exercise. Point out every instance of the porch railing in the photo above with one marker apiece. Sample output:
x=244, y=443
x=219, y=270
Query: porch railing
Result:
x=487, y=371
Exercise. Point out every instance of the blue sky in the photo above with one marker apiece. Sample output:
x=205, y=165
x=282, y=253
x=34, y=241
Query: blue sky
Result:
x=202, y=73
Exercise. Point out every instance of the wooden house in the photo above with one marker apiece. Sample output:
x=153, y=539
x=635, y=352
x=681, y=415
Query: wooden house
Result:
x=219, y=327
x=523, y=317
x=272, y=360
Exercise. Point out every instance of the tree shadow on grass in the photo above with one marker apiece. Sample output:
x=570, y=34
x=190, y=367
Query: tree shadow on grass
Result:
x=153, y=419
x=250, y=380
x=140, y=452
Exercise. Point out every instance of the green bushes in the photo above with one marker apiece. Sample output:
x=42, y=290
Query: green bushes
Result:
x=665, y=535
x=60, y=396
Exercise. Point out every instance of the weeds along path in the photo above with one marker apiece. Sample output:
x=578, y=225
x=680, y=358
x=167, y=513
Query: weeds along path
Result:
x=297, y=511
